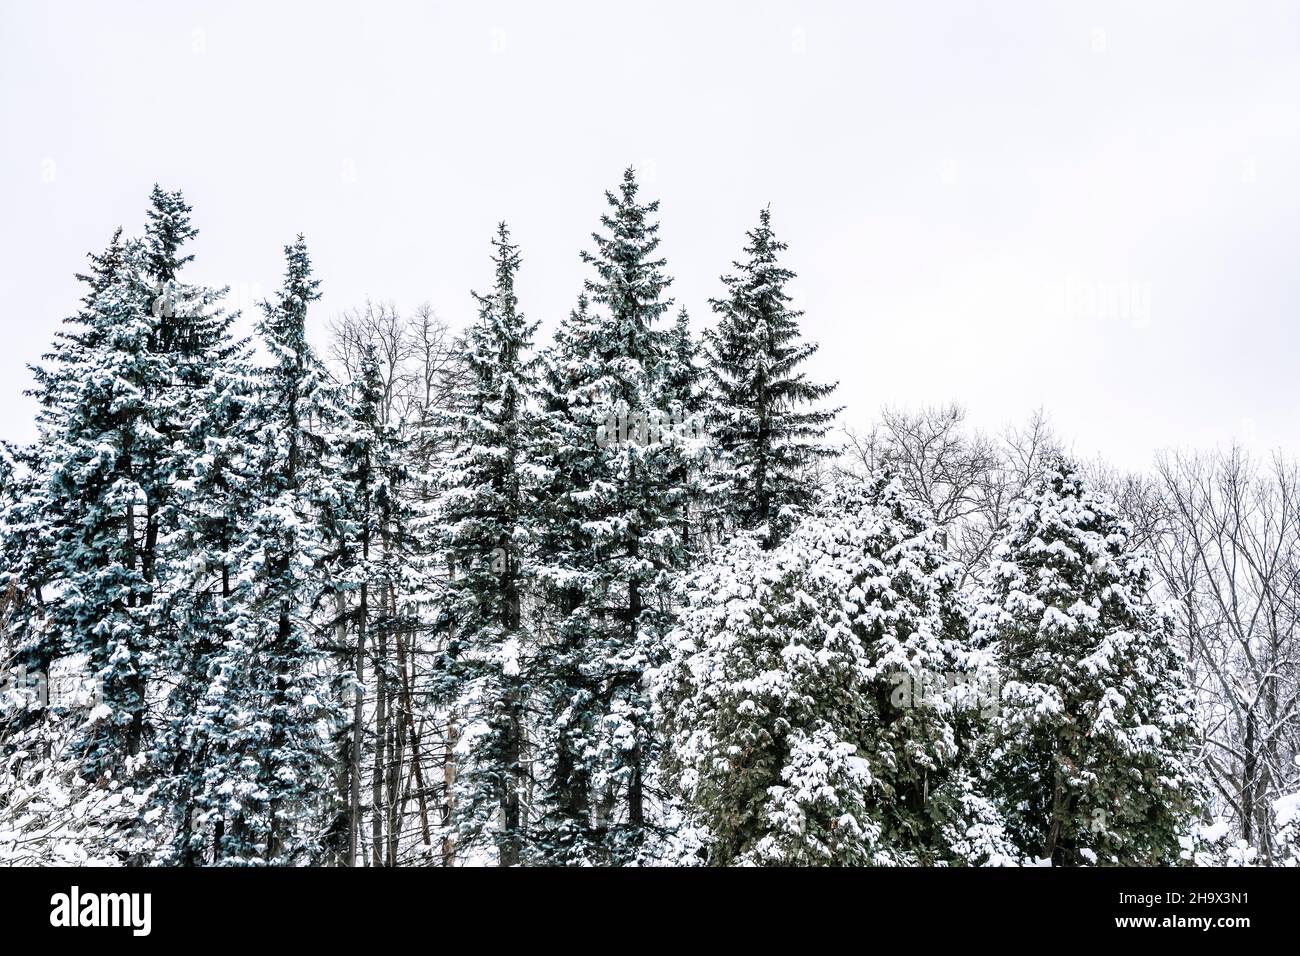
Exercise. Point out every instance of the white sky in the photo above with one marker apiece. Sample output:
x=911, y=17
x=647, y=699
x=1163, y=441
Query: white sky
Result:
x=1092, y=206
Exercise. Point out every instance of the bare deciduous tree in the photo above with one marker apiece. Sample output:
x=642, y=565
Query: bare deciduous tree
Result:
x=966, y=480
x=409, y=764
x=1229, y=556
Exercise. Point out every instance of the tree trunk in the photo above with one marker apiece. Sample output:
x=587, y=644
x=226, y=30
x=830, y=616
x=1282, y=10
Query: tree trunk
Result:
x=449, y=793
x=381, y=740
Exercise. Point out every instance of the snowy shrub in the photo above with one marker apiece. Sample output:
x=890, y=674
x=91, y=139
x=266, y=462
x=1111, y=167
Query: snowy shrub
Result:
x=1286, y=841
x=1092, y=746
x=782, y=736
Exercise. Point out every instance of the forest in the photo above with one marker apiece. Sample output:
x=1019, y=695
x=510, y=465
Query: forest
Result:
x=636, y=595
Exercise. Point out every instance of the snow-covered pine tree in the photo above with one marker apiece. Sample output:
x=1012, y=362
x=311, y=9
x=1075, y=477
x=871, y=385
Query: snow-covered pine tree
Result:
x=566, y=693
x=485, y=486
x=191, y=336
x=73, y=577
x=203, y=615
x=105, y=458
x=682, y=385
x=765, y=442
x=32, y=521
x=270, y=781
x=192, y=517
x=818, y=695
x=1091, y=754
x=682, y=379
x=118, y=428
x=610, y=538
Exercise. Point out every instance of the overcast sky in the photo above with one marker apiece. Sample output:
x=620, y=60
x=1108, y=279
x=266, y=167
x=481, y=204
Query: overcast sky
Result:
x=1093, y=207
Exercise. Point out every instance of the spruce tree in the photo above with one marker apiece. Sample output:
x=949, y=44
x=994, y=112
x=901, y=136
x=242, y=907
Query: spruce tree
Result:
x=610, y=541
x=1091, y=750
x=567, y=691
x=765, y=442
x=204, y=614
x=484, y=515
x=119, y=403
x=682, y=425
x=35, y=520
x=104, y=489
x=269, y=780
x=200, y=530
x=104, y=461
x=680, y=371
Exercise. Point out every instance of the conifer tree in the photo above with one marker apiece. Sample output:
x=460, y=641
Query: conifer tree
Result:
x=199, y=532
x=203, y=613
x=1091, y=751
x=33, y=520
x=119, y=409
x=684, y=428
x=567, y=692
x=104, y=483
x=485, y=490
x=808, y=714
x=610, y=538
x=680, y=371
x=103, y=462
x=765, y=442
x=270, y=776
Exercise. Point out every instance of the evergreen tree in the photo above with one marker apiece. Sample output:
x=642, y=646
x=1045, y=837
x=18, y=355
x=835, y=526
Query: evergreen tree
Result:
x=610, y=540
x=269, y=778
x=485, y=485
x=568, y=692
x=198, y=535
x=35, y=519
x=680, y=371
x=1091, y=752
x=765, y=444
x=118, y=411
x=103, y=486
x=809, y=713
x=683, y=426
x=105, y=459
x=203, y=616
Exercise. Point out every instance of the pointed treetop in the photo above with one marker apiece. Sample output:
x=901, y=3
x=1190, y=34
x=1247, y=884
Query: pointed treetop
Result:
x=763, y=244
x=682, y=326
x=629, y=216
x=630, y=280
x=629, y=187
x=167, y=229
x=506, y=256
x=297, y=274
x=372, y=383
x=103, y=266
x=285, y=314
